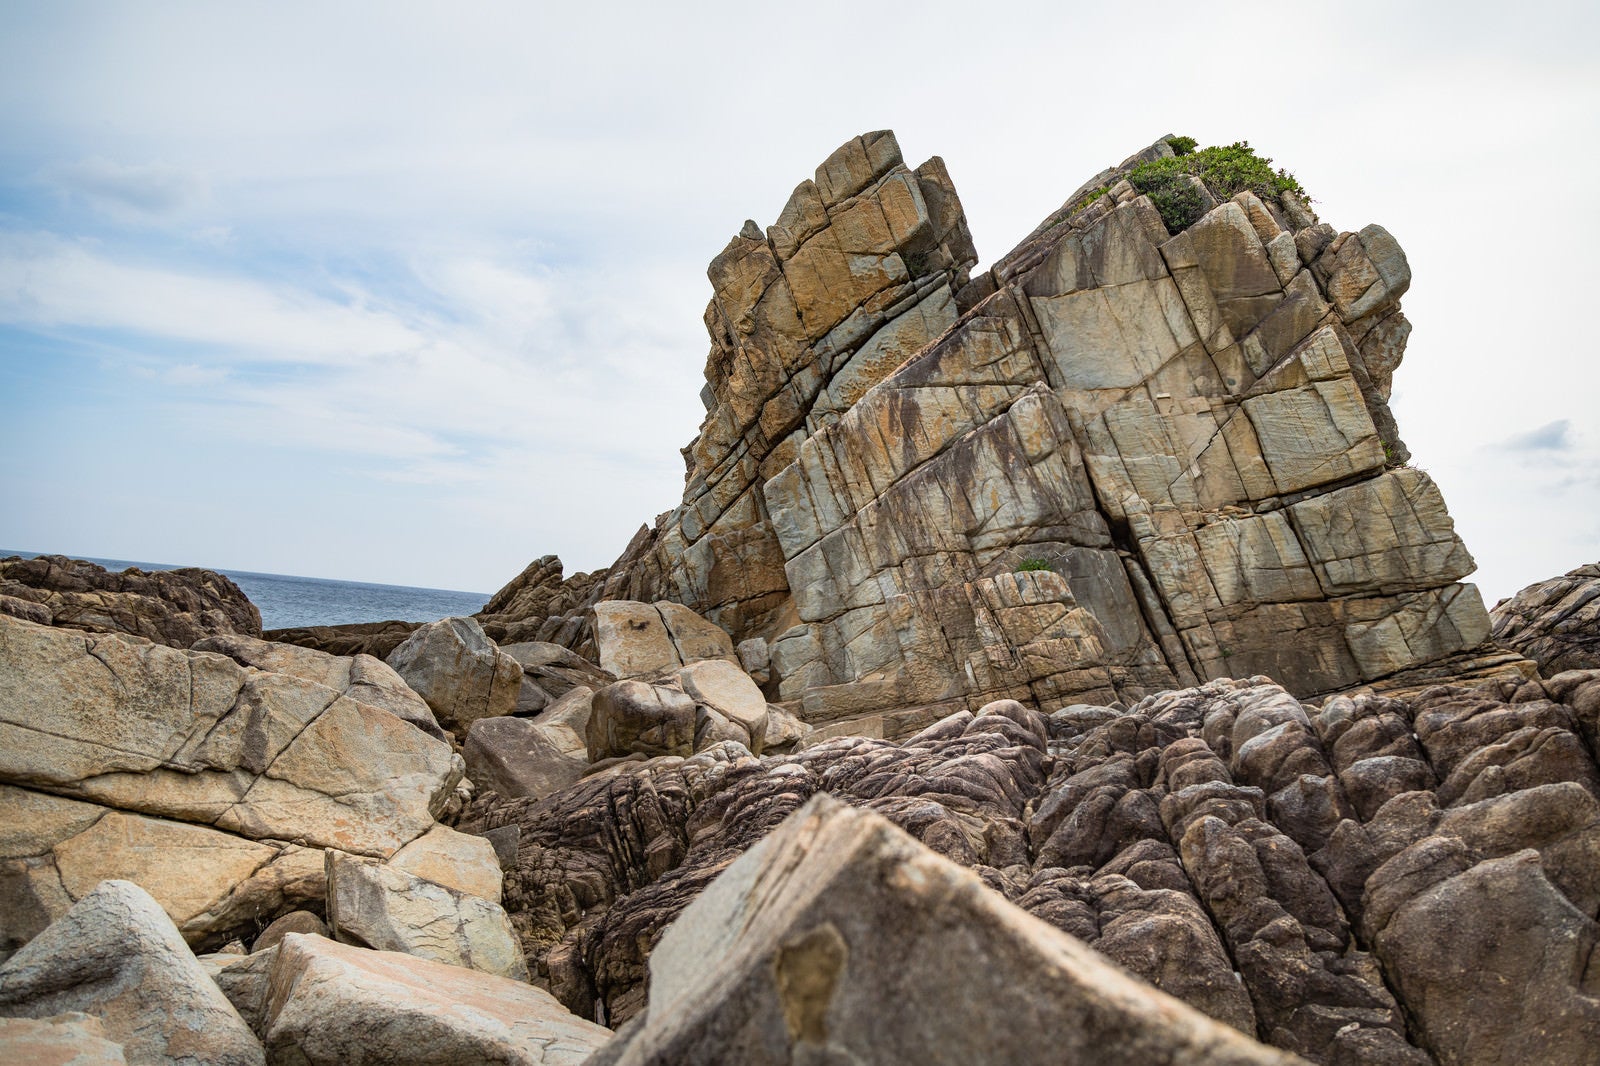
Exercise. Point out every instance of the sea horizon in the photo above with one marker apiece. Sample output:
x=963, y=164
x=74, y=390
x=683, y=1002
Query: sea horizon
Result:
x=288, y=601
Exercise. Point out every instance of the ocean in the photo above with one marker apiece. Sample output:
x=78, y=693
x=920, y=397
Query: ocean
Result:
x=286, y=602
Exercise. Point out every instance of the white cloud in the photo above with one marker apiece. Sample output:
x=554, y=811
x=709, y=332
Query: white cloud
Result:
x=123, y=190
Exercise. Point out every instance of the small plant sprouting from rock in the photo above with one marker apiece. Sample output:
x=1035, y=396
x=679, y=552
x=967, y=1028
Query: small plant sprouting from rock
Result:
x=1224, y=171
x=1028, y=565
x=1182, y=145
x=1088, y=198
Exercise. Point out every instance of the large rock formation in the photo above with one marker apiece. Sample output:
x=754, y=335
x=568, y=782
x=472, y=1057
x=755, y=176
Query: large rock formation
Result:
x=173, y=607
x=1333, y=880
x=1556, y=623
x=1124, y=459
x=217, y=786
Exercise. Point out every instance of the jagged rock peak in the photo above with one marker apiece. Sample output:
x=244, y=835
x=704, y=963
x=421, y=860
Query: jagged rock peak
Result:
x=1149, y=443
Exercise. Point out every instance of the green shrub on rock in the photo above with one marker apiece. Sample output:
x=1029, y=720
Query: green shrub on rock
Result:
x=1224, y=171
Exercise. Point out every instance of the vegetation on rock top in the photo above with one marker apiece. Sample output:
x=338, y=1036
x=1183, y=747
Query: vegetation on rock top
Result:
x=1224, y=170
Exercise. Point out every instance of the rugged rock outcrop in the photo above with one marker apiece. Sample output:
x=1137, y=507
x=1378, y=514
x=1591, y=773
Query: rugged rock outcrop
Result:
x=376, y=639
x=1126, y=458
x=215, y=785
x=855, y=922
x=172, y=607
x=1338, y=857
x=1556, y=623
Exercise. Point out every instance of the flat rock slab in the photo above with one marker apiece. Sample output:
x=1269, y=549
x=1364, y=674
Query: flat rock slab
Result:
x=810, y=947
x=116, y=955
x=336, y=1004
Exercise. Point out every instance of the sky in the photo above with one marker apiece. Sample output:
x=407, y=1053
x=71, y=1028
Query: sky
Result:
x=412, y=293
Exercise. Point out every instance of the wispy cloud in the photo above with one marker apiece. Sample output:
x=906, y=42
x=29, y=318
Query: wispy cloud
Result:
x=1552, y=437
x=127, y=190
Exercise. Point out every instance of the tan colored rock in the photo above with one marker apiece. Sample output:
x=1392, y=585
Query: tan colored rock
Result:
x=73, y=1039
x=210, y=883
x=632, y=640
x=195, y=736
x=456, y=860
x=725, y=688
x=360, y=677
x=332, y=1005
x=389, y=909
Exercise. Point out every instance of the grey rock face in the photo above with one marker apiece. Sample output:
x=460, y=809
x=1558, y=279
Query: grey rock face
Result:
x=117, y=956
x=388, y=909
x=459, y=672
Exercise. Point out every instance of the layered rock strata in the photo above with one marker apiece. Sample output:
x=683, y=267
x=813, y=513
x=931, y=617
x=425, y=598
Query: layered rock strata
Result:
x=172, y=607
x=1333, y=880
x=1124, y=459
x=1556, y=623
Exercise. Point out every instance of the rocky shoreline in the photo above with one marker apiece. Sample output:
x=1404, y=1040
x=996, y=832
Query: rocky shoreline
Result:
x=1059, y=664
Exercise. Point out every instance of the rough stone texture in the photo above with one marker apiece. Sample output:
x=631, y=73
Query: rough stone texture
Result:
x=540, y=604
x=635, y=639
x=172, y=607
x=70, y=1039
x=1123, y=460
x=335, y=1005
x=116, y=955
x=518, y=757
x=1556, y=622
x=459, y=672
x=389, y=909
x=377, y=639
x=360, y=677
x=197, y=737
x=637, y=717
x=854, y=921
x=549, y=672
x=455, y=860
x=1340, y=858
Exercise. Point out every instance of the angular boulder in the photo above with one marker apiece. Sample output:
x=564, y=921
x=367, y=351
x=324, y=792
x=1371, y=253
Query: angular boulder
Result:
x=335, y=1005
x=391, y=910
x=855, y=922
x=195, y=736
x=116, y=955
x=634, y=639
x=459, y=672
x=519, y=757
x=636, y=717
x=549, y=672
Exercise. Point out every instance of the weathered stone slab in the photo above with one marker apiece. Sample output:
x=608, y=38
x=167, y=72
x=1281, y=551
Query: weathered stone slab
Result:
x=331, y=1004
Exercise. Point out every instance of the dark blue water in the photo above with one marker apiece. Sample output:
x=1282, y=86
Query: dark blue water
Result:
x=286, y=601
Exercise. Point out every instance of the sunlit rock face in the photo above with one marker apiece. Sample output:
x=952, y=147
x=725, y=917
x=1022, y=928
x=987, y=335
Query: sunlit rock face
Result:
x=1124, y=459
